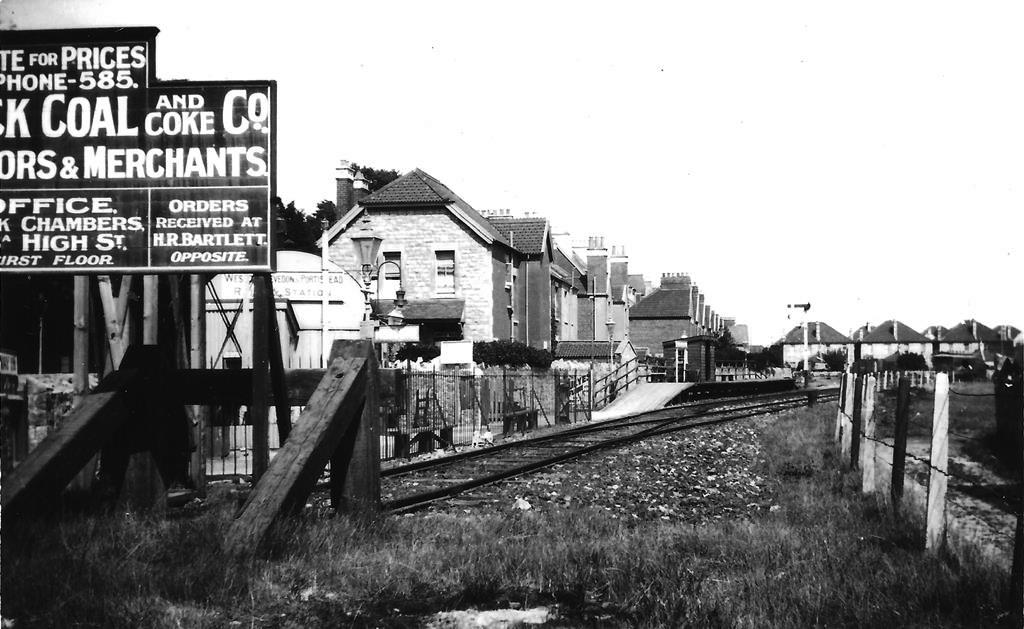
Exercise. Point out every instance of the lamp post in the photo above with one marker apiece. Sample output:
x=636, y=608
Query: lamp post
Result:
x=324, y=296
x=611, y=342
x=367, y=244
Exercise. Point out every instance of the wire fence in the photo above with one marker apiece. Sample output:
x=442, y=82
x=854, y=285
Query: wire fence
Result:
x=856, y=415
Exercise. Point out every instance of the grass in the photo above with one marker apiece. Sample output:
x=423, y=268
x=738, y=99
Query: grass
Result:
x=824, y=556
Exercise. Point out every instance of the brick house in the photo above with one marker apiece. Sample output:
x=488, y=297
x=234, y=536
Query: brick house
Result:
x=545, y=288
x=667, y=312
x=458, y=271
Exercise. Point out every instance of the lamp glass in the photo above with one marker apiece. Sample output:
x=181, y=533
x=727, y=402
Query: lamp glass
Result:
x=366, y=243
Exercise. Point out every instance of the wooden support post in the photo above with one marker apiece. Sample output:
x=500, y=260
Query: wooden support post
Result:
x=258, y=410
x=867, y=449
x=856, y=423
x=197, y=360
x=35, y=485
x=899, y=453
x=80, y=375
x=936, y=528
x=333, y=408
x=114, y=317
x=281, y=403
x=150, y=323
x=355, y=466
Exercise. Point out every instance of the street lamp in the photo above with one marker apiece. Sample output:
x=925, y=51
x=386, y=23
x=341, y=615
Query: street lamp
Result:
x=366, y=243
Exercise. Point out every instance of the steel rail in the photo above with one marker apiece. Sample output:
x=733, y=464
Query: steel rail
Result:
x=591, y=427
x=662, y=427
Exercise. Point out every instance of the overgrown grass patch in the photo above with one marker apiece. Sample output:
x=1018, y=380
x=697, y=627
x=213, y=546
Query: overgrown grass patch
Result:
x=822, y=554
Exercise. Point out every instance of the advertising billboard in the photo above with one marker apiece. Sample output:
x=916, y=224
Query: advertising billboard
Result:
x=105, y=169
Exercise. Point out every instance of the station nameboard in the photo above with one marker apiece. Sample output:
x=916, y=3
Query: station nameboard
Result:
x=104, y=169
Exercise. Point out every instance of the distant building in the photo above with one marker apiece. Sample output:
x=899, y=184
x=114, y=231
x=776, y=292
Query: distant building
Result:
x=822, y=338
x=596, y=351
x=969, y=337
x=892, y=337
x=667, y=312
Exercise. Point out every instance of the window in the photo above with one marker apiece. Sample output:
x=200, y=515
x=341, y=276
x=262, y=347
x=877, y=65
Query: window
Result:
x=392, y=271
x=444, y=283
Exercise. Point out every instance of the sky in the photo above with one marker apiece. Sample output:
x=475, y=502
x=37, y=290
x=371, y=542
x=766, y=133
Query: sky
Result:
x=864, y=157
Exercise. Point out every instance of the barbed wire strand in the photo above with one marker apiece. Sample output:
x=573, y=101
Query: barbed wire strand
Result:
x=1008, y=502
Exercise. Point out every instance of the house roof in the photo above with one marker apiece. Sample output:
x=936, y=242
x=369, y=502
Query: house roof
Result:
x=662, y=303
x=418, y=189
x=583, y=349
x=964, y=333
x=828, y=334
x=1006, y=332
x=423, y=309
x=883, y=333
x=525, y=234
x=573, y=269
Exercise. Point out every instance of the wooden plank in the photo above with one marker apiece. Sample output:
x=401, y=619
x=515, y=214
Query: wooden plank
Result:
x=293, y=473
x=37, y=483
x=234, y=386
x=899, y=453
x=355, y=465
x=936, y=512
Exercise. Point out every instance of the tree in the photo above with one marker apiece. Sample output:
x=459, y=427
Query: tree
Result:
x=725, y=347
x=376, y=178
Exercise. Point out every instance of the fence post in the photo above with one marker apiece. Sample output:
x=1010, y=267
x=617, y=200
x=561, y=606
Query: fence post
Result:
x=899, y=452
x=842, y=408
x=867, y=452
x=1017, y=572
x=939, y=462
x=846, y=441
x=855, y=429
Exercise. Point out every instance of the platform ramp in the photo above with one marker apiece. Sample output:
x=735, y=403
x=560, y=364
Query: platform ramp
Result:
x=647, y=396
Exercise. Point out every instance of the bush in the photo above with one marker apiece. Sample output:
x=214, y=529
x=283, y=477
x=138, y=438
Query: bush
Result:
x=911, y=362
x=511, y=354
x=412, y=351
x=835, y=360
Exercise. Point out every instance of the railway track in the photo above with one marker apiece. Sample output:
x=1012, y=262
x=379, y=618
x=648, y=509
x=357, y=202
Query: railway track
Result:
x=438, y=479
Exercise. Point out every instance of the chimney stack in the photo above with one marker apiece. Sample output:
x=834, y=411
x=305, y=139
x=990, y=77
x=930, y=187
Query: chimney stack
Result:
x=344, y=200
x=619, y=272
x=597, y=265
x=974, y=329
x=895, y=331
x=360, y=188
x=817, y=330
